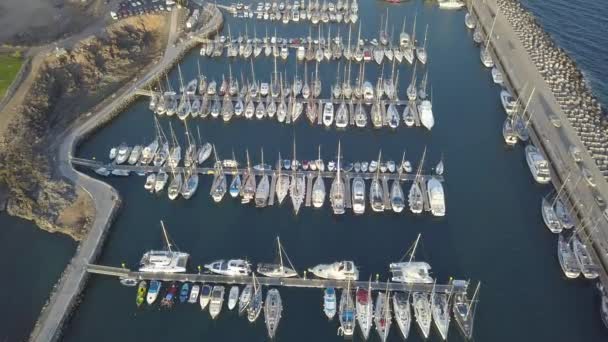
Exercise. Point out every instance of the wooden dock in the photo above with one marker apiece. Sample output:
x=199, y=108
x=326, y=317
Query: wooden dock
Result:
x=386, y=194
x=275, y=282
x=425, y=197
x=347, y=197
x=273, y=186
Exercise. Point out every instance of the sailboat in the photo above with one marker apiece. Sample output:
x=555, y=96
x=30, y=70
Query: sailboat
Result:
x=382, y=316
x=277, y=270
x=365, y=309
x=397, y=197
x=422, y=311
x=336, y=193
x=263, y=188
x=272, y=311
x=175, y=153
x=411, y=272
x=235, y=186
x=403, y=312
x=347, y=313
x=164, y=261
x=176, y=184
x=297, y=189
x=415, y=195
x=567, y=259
x=486, y=57
x=441, y=312
x=464, y=311
x=256, y=303
x=318, y=188
x=249, y=183
x=376, y=193
x=282, y=185
x=219, y=185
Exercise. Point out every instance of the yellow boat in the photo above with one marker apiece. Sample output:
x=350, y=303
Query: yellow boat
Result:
x=141, y=293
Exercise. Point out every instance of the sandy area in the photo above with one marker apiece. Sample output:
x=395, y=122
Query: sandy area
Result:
x=76, y=216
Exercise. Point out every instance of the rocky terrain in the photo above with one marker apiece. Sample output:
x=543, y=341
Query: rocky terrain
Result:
x=67, y=85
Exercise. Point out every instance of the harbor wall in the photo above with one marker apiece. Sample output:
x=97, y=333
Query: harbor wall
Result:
x=521, y=75
x=66, y=294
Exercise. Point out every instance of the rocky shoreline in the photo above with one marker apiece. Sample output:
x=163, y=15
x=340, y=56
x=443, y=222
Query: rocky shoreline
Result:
x=565, y=80
x=67, y=85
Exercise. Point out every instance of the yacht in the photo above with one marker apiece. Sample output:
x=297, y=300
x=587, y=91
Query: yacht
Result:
x=274, y=270
x=567, y=258
x=205, y=296
x=451, y=4
x=231, y=268
x=218, y=187
x=538, y=165
x=440, y=306
x=347, y=313
x=193, y=298
x=328, y=114
x=360, y=116
x=190, y=185
x=329, y=302
x=204, y=153
x=508, y=102
x=550, y=217
x=412, y=272
x=164, y=261
x=245, y=298
x=464, y=309
x=486, y=57
x=342, y=115
x=408, y=114
x=123, y=153
x=340, y=270
x=376, y=195
x=508, y=132
x=153, y=291
x=297, y=189
x=233, y=297
x=263, y=189
x=422, y=311
x=358, y=194
x=583, y=258
x=368, y=92
x=160, y=181
x=217, y=300
x=436, y=197
x=425, y=110
x=403, y=313
x=272, y=311
x=469, y=21
x=235, y=186
x=150, y=182
x=392, y=116
x=382, y=315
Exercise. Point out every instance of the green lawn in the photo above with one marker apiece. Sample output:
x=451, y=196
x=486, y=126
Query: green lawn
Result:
x=9, y=67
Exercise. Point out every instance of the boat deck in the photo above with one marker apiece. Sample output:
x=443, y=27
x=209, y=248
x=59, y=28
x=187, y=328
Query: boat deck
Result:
x=265, y=281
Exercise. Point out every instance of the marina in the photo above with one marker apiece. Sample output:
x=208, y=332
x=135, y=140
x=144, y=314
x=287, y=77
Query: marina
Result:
x=217, y=228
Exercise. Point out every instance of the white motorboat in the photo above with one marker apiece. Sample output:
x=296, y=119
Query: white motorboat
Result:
x=358, y=194
x=436, y=197
x=233, y=297
x=217, y=300
x=245, y=298
x=205, y=296
x=329, y=302
x=231, y=268
x=340, y=270
x=563, y=213
x=509, y=103
x=425, y=110
x=193, y=298
x=328, y=114
x=539, y=167
x=550, y=217
x=153, y=291
x=164, y=261
x=150, y=182
x=451, y=4
x=497, y=75
x=586, y=264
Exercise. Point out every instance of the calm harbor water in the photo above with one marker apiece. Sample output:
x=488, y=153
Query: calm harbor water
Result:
x=493, y=231
x=32, y=262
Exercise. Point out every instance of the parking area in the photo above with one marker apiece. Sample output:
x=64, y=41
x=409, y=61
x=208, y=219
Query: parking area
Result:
x=128, y=8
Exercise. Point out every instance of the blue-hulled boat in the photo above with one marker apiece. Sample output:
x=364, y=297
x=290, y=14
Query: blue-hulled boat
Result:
x=184, y=293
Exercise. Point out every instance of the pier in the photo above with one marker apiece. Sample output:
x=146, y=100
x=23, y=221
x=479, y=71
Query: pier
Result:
x=95, y=165
x=519, y=70
x=275, y=282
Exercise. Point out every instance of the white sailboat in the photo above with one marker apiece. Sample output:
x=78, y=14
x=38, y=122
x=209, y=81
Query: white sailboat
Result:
x=318, y=188
x=422, y=312
x=382, y=314
x=403, y=312
x=376, y=193
x=277, y=270
x=415, y=199
x=263, y=189
x=347, y=313
x=411, y=272
x=297, y=189
x=365, y=310
x=464, y=311
x=164, y=261
x=441, y=312
x=282, y=185
x=336, y=194
x=272, y=311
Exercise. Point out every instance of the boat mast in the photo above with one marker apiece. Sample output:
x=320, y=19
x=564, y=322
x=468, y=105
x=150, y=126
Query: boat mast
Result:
x=414, y=249
x=490, y=35
x=473, y=302
x=280, y=254
x=523, y=115
x=162, y=224
x=378, y=169
x=426, y=30
x=263, y=167
x=420, y=166
x=559, y=191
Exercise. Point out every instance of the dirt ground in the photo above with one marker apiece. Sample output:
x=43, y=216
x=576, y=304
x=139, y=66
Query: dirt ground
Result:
x=76, y=216
x=33, y=22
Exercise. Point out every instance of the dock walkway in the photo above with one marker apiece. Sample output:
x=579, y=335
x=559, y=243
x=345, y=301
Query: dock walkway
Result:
x=265, y=281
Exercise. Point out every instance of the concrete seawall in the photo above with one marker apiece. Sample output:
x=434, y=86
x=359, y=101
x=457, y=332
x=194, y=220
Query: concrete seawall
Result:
x=66, y=294
x=519, y=70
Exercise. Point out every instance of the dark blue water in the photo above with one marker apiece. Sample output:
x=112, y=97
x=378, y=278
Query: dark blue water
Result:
x=32, y=261
x=579, y=27
x=493, y=231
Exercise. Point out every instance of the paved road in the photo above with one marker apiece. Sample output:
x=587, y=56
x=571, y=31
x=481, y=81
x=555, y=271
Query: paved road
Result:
x=105, y=198
x=555, y=141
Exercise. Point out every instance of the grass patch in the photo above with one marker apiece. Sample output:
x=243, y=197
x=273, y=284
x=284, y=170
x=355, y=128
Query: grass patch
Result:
x=9, y=67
